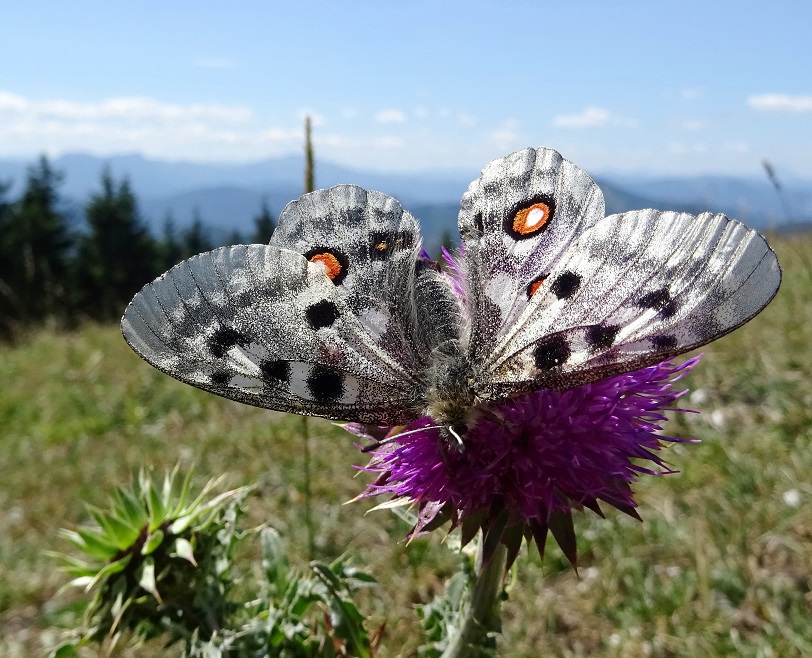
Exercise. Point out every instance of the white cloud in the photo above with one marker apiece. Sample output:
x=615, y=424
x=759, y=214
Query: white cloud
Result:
x=690, y=93
x=388, y=142
x=421, y=112
x=127, y=108
x=146, y=125
x=390, y=116
x=591, y=117
x=506, y=136
x=780, y=103
x=214, y=63
x=693, y=125
x=739, y=147
x=466, y=119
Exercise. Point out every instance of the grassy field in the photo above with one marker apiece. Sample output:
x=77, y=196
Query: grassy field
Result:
x=721, y=565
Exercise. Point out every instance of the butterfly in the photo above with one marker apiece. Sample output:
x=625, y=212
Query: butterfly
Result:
x=340, y=316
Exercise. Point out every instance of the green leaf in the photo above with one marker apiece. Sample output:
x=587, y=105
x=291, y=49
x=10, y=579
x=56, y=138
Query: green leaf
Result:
x=96, y=544
x=183, y=494
x=153, y=542
x=110, y=569
x=132, y=509
x=157, y=511
x=344, y=615
x=274, y=558
x=120, y=532
x=65, y=649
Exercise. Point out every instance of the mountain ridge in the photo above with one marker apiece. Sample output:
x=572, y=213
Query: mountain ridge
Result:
x=227, y=195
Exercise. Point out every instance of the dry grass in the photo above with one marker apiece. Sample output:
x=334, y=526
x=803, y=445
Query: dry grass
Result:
x=721, y=565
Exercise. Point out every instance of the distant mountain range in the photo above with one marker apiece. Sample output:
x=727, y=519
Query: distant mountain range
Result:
x=227, y=196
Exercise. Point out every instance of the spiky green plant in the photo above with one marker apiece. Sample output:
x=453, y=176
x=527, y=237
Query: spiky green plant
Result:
x=158, y=562
x=298, y=615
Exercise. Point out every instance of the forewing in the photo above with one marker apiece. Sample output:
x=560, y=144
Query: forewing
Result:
x=633, y=290
x=267, y=327
x=517, y=221
x=374, y=245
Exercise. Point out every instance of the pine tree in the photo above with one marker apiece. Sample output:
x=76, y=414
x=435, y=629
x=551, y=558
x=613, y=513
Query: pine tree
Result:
x=170, y=248
x=264, y=225
x=445, y=241
x=196, y=238
x=117, y=255
x=235, y=237
x=7, y=296
x=36, y=245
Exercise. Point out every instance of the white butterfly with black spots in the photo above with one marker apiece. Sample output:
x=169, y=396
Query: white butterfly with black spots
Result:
x=340, y=317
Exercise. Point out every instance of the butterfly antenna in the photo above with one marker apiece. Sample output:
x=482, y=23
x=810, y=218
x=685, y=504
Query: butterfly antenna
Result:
x=456, y=436
x=395, y=437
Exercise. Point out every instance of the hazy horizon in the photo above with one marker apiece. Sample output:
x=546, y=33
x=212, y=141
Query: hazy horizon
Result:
x=667, y=88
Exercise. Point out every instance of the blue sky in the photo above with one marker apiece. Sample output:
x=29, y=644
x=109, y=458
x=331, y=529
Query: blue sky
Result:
x=680, y=87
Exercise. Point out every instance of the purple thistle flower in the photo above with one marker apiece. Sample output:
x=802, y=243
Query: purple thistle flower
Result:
x=530, y=460
x=534, y=459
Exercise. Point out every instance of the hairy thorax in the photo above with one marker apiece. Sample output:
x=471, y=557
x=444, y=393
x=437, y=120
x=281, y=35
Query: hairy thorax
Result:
x=450, y=400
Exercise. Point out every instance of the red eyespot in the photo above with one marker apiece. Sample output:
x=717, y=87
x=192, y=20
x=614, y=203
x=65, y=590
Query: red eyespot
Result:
x=335, y=263
x=532, y=219
x=534, y=285
x=330, y=262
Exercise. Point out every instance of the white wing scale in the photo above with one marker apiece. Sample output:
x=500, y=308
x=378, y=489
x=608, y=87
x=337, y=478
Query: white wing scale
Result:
x=265, y=326
x=643, y=286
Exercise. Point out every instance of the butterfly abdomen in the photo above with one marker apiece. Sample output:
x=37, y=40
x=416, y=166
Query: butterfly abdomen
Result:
x=449, y=397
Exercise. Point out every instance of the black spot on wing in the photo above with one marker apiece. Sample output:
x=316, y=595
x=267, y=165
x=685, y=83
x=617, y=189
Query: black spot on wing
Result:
x=602, y=336
x=223, y=339
x=660, y=301
x=478, y=224
x=220, y=377
x=321, y=314
x=552, y=352
x=664, y=342
x=244, y=300
x=275, y=370
x=325, y=384
x=566, y=285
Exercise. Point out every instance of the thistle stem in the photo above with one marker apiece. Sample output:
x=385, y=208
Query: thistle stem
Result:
x=482, y=606
x=308, y=494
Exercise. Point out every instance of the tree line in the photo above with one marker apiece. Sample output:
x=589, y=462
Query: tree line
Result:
x=58, y=268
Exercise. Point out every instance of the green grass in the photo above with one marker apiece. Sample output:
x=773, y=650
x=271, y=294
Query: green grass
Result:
x=720, y=566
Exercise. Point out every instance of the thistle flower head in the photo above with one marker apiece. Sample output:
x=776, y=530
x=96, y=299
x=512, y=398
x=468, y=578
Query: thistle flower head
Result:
x=531, y=460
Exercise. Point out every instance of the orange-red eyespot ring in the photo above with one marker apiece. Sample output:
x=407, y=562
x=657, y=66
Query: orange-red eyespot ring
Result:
x=531, y=219
x=335, y=263
x=330, y=263
x=535, y=284
x=533, y=287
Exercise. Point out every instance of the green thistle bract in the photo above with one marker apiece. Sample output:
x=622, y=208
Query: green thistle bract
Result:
x=157, y=560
